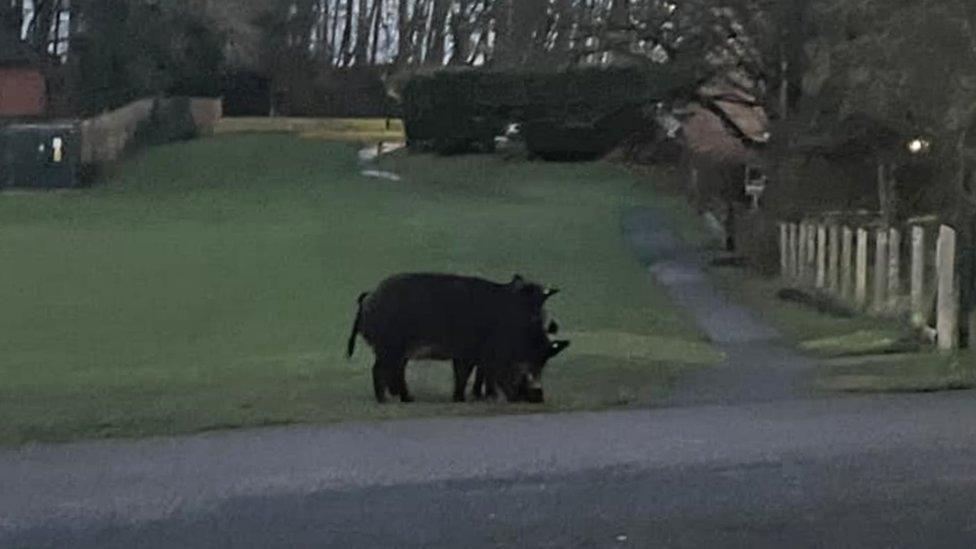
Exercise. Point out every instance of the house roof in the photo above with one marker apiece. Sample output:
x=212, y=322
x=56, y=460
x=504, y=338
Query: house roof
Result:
x=739, y=107
x=726, y=93
x=751, y=121
x=708, y=137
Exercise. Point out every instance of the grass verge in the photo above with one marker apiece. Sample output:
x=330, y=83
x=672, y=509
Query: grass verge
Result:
x=861, y=353
x=916, y=372
x=211, y=284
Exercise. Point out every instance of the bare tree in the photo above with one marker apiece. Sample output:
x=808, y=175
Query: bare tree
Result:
x=402, y=35
x=436, y=33
x=11, y=18
x=363, y=18
x=344, y=50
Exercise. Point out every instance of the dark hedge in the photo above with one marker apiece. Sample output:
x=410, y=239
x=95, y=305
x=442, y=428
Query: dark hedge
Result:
x=581, y=112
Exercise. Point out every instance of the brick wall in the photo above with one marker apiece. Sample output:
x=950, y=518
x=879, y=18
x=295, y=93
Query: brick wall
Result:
x=21, y=92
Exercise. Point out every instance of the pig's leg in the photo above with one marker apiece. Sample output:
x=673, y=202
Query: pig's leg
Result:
x=386, y=372
x=479, y=383
x=491, y=389
x=400, y=380
x=379, y=380
x=462, y=372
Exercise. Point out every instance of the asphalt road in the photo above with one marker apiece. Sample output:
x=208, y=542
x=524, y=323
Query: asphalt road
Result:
x=893, y=471
x=743, y=457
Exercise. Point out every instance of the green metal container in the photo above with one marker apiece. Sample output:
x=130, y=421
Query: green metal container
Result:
x=40, y=154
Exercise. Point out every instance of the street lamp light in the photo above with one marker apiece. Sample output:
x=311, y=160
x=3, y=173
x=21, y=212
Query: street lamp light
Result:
x=919, y=145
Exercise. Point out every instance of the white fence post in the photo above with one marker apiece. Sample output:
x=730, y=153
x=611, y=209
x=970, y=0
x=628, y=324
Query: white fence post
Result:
x=794, y=253
x=801, y=271
x=833, y=255
x=811, y=253
x=821, y=280
x=846, y=262
x=947, y=320
x=784, y=262
x=918, y=312
x=880, y=268
x=894, y=270
x=861, y=269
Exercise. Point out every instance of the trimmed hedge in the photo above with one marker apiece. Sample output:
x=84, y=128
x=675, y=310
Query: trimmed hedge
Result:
x=446, y=110
x=581, y=112
x=569, y=137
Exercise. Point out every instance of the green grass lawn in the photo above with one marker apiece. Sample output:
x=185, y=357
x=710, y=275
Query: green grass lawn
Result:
x=212, y=284
x=911, y=372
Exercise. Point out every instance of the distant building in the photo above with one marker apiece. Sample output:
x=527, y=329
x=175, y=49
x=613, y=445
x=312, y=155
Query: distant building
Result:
x=22, y=84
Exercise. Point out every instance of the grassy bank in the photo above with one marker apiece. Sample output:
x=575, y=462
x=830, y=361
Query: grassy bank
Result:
x=212, y=284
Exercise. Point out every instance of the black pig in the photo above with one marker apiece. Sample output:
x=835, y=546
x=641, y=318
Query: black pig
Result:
x=471, y=321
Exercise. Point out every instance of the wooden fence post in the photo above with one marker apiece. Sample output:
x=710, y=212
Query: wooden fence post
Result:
x=846, y=262
x=784, y=262
x=801, y=270
x=811, y=253
x=880, y=270
x=861, y=269
x=793, y=252
x=833, y=255
x=821, y=280
x=947, y=320
x=894, y=270
x=918, y=312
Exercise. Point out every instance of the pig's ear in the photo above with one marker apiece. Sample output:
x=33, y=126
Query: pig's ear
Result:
x=557, y=347
x=517, y=281
x=552, y=328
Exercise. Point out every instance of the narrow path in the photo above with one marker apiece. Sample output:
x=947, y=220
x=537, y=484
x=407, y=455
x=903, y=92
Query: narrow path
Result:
x=758, y=365
x=368, y=156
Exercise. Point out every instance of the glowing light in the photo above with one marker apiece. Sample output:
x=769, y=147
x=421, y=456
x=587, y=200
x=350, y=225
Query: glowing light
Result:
x=919, y=145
